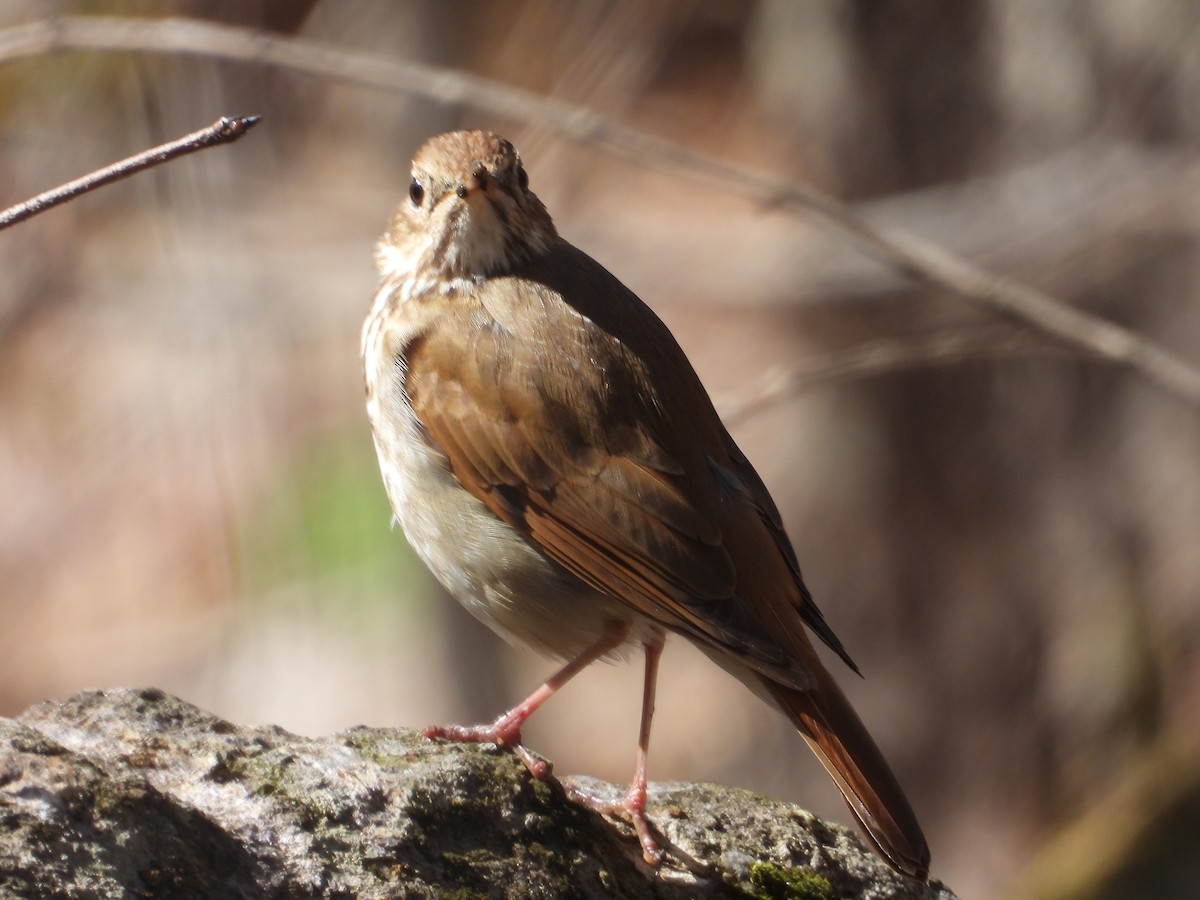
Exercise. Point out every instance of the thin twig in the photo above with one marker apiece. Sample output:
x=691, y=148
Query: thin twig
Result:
x=223, y=131
x=883, y=357
x=1093, y=200
x=919, y=260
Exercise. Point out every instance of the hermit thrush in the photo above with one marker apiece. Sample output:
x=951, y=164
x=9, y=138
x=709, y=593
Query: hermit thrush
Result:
x=555, y=461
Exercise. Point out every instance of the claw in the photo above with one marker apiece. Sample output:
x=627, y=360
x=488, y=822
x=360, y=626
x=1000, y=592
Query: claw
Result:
x=631, y=809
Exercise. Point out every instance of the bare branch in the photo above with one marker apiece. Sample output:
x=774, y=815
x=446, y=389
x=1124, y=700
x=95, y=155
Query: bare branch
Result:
x=223, y=131
x=1096, y=200
x=881, y=357
x=920, y=261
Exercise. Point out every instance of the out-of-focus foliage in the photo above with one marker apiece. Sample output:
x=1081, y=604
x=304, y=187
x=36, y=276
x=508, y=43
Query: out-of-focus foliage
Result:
x=1008, y=547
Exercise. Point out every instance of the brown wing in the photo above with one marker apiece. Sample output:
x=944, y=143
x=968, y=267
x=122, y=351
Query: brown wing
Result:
x=747, y=482
x=768, y=573
x=557, y=428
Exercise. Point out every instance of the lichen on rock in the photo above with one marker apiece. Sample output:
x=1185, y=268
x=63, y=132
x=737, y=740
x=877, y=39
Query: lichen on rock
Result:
x=121, y=793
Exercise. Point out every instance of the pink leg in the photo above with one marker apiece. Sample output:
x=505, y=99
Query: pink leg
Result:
x=506, y=730
x=633, y=806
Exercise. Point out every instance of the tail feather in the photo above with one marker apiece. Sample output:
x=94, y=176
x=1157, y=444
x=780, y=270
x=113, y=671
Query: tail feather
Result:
x=829, y=724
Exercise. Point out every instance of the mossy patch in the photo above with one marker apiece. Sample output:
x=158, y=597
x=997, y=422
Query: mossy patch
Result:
x=772, y=882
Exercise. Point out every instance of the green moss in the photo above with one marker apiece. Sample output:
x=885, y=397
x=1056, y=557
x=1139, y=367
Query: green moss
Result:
x=264, y=774
x=270, y=773
x=772, y=882
x=468, y=869
x=389, y=748
x=459, y=894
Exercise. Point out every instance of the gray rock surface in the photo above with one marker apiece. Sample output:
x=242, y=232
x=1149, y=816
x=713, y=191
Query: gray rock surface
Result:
x=134, y=793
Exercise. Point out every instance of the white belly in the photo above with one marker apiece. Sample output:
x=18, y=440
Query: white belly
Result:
x=498, y=576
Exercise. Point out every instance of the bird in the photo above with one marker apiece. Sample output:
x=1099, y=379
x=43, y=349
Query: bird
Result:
x=555, y=461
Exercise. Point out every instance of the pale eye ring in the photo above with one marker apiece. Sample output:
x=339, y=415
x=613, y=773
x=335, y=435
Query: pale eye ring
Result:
x=416, y=192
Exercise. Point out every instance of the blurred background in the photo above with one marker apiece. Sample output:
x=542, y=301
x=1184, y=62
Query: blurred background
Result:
x=1008, y=543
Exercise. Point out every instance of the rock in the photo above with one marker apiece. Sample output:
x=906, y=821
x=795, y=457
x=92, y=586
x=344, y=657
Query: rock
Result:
x=134, y=793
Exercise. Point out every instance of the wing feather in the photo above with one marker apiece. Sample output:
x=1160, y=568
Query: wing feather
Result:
x=563, y=436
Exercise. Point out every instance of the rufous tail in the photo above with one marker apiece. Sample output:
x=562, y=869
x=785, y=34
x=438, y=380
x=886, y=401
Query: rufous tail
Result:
x=831, y=727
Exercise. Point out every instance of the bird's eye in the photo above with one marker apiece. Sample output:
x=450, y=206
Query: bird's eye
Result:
x=522, y=177
x=416, y=192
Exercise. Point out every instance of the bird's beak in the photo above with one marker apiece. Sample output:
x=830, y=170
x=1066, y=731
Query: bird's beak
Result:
x=476, y=181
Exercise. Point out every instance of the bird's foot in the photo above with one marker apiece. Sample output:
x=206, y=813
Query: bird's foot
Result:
x=504, y=732
x=631, y=808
